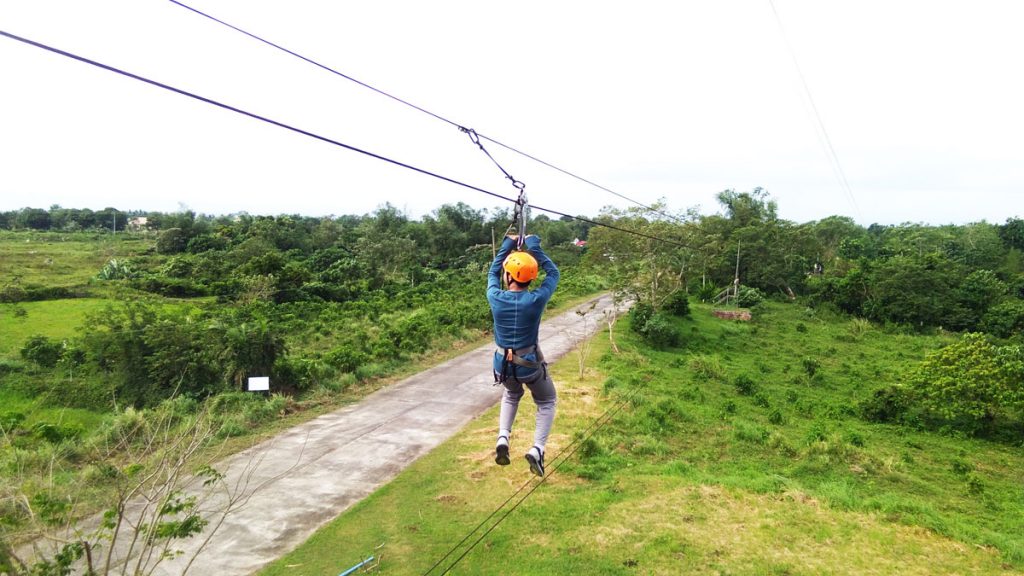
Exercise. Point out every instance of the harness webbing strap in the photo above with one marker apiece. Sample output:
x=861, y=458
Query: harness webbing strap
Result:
x=514, y=357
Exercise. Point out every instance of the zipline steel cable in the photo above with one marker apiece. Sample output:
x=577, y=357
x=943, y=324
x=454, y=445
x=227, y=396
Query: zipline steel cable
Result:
x=318, y=136
x=823, y=138
x=473, y=133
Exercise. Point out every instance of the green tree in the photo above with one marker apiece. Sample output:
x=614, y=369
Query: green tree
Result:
x=919, y=291
x=42, y=351
x=1012, y=233
x=1005, y=319
x=33, y=219
x=640, y=267
x=252, y=348
x=978, y=292
x=971, y=381
x=172, y=241
x=747, y=208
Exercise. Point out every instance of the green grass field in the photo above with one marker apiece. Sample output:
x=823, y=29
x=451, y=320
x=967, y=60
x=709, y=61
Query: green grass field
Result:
x=56, y=319
x=68, y=260
x=739, y=453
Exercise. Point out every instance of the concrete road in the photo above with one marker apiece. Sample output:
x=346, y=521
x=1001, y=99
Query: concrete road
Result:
x=310, y=474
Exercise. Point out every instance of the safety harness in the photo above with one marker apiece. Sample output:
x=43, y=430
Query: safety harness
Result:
x=513, y=357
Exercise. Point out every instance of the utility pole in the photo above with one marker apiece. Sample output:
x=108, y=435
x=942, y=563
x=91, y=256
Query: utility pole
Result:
x=736, y=279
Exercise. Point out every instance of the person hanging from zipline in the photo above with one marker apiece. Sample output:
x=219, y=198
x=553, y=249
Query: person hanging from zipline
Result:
x=518, y=361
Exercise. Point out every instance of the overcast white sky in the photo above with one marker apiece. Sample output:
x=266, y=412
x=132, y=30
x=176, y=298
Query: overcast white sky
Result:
x=923, y=102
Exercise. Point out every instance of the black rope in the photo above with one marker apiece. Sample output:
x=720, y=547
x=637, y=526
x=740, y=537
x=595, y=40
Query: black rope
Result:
x=476, y=136
x=594, y=427
x=308, y=133
x=313, y=62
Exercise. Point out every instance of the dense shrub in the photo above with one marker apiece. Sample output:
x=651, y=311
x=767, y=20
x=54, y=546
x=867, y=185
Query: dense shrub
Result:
x=707, y=292
x=678, y=304
x=810, y=366
x=172, y=241
x=1005, y=319
x=14, y=293
x=661, y=332
x=116, y=269
x=888, y=404
x=707, y=366
x=206, y=242
x=170, y=287
x=971, y=382
x=346, y=358
x=749, y=297
x=639, y=315
x=745, y=385
x=42, y=351
x=149, y=353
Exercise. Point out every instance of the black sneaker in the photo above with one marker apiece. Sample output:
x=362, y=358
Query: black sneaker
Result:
x=501, y=455
x=536, y=464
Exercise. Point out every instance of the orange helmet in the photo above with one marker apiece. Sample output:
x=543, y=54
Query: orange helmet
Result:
x=521, y=266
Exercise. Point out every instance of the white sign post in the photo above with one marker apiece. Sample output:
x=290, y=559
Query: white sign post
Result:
x=259, y=384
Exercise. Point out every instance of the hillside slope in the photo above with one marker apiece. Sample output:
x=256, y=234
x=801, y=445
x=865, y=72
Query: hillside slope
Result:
x=740, y=452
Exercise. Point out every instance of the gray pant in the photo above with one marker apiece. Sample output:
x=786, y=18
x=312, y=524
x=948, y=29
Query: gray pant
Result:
x=544, y=396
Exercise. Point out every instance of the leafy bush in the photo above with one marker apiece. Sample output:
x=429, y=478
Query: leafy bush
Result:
x=709, y=367
x=661, y=332
x=347, y=358
x=15, y=293
x=116, y=269
x=745, y=385
x=810, y=366
x=170, y=287
x=1005, y=319
x=206, y=242
x=858, y=327
x=678, y=304
x=55, y=433
x=639, y=315
x=707, y=292
x=749, y=297
x=42, y=351
x=10, y=420
x=887, y=404
x=971, y=382
x=172, y=241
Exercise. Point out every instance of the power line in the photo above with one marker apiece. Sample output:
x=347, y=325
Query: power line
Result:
x=314, y=135
x=594, y=427
x=830, y=151
x=423, y=110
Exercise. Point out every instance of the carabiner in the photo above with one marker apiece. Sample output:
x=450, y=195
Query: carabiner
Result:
x=472, y=134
